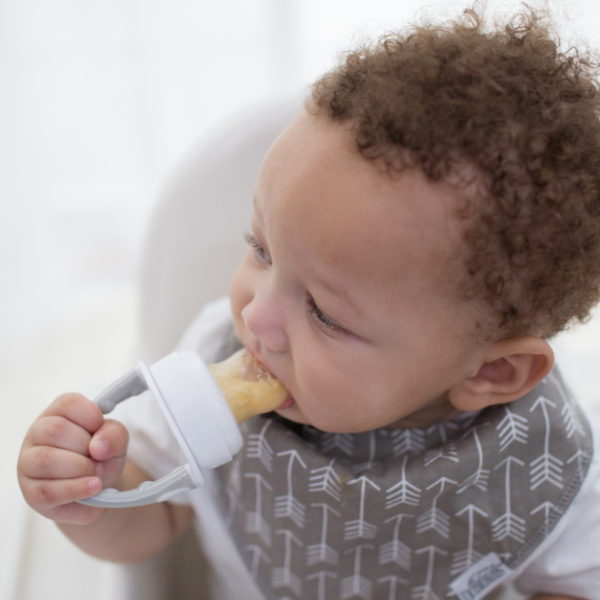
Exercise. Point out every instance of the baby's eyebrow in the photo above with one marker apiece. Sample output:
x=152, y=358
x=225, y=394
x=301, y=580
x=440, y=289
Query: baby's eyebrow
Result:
x=256, y=206
x=256, y=218
x=341, y=294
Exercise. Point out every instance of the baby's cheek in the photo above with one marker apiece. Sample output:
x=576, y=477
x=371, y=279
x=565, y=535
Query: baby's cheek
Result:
x=327, y=388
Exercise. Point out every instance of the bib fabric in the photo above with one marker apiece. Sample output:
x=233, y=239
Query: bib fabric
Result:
x=446, y=511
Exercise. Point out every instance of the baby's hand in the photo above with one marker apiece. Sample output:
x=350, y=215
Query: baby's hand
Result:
x=69, y=453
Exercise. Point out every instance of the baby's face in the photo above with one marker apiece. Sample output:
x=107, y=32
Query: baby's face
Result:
x=345, y=292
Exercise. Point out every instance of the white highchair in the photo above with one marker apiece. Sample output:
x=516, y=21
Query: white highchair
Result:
x=192, y=246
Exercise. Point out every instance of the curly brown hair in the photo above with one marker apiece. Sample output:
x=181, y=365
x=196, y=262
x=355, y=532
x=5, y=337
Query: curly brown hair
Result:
x=525, y=115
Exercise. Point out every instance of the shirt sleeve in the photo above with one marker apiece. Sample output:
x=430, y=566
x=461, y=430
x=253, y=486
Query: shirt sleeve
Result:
x=569, y=561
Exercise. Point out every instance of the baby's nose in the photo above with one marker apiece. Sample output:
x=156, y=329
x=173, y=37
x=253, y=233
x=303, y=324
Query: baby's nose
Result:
x=263, y=317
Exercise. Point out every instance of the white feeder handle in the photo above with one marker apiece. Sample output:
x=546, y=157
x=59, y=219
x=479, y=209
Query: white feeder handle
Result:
x=197, y=414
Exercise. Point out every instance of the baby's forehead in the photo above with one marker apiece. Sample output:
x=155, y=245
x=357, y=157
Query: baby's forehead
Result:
x=318, y=192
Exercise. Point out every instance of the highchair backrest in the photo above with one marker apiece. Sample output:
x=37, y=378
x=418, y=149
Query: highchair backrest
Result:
x=195, y=236
x=193, y=243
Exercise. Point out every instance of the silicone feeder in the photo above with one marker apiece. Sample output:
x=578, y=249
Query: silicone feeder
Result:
x=198, y=416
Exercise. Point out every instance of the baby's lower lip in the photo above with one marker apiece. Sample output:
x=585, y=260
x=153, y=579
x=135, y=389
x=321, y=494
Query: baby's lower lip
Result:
x=287, y=403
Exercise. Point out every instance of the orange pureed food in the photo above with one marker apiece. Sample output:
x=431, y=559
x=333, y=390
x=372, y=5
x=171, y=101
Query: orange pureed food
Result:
x=247, y=386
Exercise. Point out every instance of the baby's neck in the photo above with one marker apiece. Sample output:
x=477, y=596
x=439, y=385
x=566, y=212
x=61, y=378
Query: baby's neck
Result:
x=439, y=411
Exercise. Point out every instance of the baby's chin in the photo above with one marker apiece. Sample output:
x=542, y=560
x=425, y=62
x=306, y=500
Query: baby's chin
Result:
x=291, y=411
x=294, y=413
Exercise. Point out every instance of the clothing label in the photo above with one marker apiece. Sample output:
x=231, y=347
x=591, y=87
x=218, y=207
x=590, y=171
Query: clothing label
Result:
x=480, y=578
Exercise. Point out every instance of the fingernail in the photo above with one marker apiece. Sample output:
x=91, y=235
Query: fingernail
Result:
x=98, y=448
x=94, y=484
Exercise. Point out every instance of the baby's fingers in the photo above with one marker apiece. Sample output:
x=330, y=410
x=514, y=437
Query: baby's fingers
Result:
x=110, y=441
x=48, y=494
x=109, y=446
x=47, y=462
x=55, y=498
x=78, y=409
x=60, y=433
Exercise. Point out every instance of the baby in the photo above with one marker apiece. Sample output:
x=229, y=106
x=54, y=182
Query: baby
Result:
x=419, y=232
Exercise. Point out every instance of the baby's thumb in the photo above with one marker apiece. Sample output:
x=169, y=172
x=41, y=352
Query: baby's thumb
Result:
x=110, y=441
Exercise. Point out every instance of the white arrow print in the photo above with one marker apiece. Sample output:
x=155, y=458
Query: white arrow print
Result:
x=402, y=492
x=436, y=519
x=396, y=551
x=359, y=528
x=508, y=524
x=425, y=591
x=283, y=576
x=372, y=447
x=547, y=467
x=394, y=581
x=580, y=458
x=407, y=441
x=548, y=508
x=255, y=522
x=479, y=478
x=442, y=429
x=321, y=577
x=325, y=479
x=287, y=505
x=465, y=558
x=321, y=552
x=512, y=428
x=447, y=452
x=338, y=440
x=256, y=556
x=258, y=447
x=356, y=584
x=572, y=421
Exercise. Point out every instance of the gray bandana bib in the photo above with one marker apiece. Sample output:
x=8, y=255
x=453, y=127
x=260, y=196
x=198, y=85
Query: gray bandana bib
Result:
x=392, y=514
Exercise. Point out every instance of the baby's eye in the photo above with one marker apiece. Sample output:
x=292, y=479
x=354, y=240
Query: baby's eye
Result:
x=258, y=248
x=320, y=317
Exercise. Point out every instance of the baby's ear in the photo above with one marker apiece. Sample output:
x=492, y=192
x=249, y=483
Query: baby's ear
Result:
x=509, y=369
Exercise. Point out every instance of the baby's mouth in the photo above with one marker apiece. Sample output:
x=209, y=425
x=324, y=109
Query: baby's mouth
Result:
x=262, y=370
x=289, y=402
x=248, y=386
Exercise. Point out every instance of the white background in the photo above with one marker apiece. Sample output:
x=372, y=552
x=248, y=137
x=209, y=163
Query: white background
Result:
x=98, y=102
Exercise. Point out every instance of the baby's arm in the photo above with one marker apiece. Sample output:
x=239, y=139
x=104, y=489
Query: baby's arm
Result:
x=69, y=453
